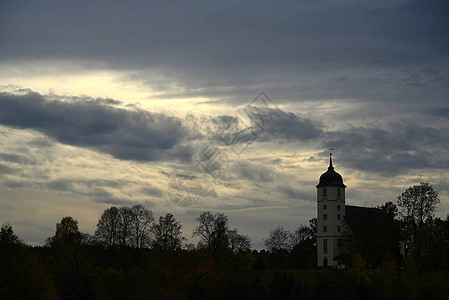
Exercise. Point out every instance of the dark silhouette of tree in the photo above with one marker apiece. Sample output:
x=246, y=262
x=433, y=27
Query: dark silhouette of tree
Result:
x=278, y=240
x=125, y=227
x=69, y=260
x=8, y=237
x=141, y=223
x=205, y=229
x=303, y=245
x=167, y=233
x=300, y=235
x=417, y=205
x=238, y=242
x=107, y=232
x=220, y=238
x=67, y=240
x=212, y=231
x=391, y=209
x=433, y=238
x=278, y=244
x=124, y=230
x=393, y=223
x=67, y=234
x=22, y=276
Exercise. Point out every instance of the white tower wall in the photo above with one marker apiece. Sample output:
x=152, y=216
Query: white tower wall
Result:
x=330, y=214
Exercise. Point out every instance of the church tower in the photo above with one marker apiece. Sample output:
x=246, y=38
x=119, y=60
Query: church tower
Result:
x=330, y=213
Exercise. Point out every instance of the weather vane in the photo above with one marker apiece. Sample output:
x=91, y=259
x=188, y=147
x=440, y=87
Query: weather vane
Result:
x=330, y=151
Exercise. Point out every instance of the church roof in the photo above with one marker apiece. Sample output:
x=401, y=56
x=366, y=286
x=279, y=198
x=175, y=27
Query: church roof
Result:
x=358, y=216
x=331, y=178
x=365, y=221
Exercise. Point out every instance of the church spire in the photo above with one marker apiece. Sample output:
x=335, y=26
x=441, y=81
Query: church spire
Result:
x=331, y=167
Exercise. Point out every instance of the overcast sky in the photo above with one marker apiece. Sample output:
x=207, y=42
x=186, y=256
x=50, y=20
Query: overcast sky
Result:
x=229, y=106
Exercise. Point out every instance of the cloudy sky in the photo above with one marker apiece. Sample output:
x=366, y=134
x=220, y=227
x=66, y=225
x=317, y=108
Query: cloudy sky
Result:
x=229, y=106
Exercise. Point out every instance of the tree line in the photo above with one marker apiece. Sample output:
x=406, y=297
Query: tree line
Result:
x=133, y=255
x=135, y=227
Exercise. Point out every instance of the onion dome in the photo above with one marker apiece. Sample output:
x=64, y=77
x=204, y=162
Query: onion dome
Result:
x=331, y=178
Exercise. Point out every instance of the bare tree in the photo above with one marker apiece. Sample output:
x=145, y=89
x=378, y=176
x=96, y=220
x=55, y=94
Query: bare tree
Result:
x=304, y=234
x=205, y=229
x=167, y=233
x=300, y=235
x=212, y=230
x=238, y=242
x=418, y=203
x=220, y=238
x=278, y=243
x=108, y=226
x=278, y=240
x=141, y=223
x=124, y=229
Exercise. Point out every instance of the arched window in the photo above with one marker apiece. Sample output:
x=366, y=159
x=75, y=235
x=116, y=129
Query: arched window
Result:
x=324, y=192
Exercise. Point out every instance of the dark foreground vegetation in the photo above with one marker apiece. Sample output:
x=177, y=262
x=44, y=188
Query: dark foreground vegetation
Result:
x=94, y=272
x=133, y=256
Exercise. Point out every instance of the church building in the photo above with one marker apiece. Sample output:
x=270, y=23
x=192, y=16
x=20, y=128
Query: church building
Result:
x=369, y=226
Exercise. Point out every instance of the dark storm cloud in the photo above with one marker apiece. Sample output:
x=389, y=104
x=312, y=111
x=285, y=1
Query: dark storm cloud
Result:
x=438, y=112
x=232, y=30
x=426, y=21
x=206, y=126
x=254, y=123
x=392, y=149
x=273, y=124
x=230, y=49
x=124, y=134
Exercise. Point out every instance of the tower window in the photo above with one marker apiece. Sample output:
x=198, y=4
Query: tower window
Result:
x=338, y=208
x=325, y=217
x=324, y=206
x=325, y=246
x=338, y=217
x=324, y=192
x=324, y=228
x=338, y=192
x=338, y=229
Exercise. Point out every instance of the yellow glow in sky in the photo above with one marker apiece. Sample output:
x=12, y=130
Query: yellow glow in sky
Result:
x=73, y=79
